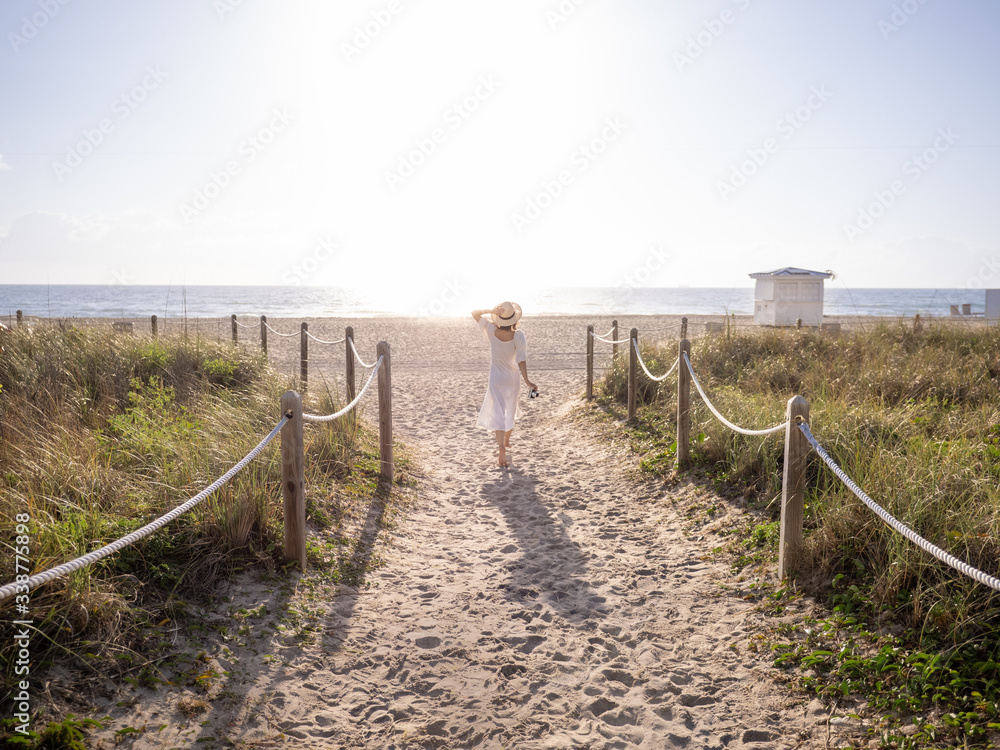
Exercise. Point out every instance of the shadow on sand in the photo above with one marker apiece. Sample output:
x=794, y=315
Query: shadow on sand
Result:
x=552, y=568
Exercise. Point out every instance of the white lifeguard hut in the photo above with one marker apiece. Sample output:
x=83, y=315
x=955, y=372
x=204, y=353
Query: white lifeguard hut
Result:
x=786, y=295
x=992, y=313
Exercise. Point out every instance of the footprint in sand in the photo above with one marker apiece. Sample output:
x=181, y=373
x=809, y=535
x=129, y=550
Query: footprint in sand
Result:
x=531, y=643
x=692, y=700
x=601, y=647
x=618, y=675
x=601, y=705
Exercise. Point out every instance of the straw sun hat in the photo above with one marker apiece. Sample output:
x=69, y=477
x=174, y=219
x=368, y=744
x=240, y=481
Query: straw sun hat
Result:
x=510, y=315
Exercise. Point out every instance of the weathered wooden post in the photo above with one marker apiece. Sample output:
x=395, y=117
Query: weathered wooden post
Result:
x=683, y=406
x=152, y=325
x=614, y=337
x=793, y=486
x=798, y=323
x=590, y=362
x=234, y=328
x=304, y=356
x=633, y=366
x=20, y=318
x=263, y=334
x=385, y=412
x=293, y=478
x=684, y=328
x=349, y=367
x=917, y=325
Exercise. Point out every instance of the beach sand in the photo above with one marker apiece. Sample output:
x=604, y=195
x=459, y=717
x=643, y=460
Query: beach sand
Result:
x=564, y=603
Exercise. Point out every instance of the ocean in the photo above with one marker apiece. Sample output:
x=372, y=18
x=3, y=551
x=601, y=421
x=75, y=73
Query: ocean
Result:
x=128, y=301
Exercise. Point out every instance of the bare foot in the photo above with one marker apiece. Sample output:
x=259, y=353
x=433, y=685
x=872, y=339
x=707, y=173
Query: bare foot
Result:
x=506, y=443
x=502, y=461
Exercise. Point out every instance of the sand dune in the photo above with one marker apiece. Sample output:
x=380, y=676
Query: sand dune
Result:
x=561, y=604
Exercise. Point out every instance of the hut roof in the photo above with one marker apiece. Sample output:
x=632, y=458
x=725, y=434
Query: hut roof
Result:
x=789, y=271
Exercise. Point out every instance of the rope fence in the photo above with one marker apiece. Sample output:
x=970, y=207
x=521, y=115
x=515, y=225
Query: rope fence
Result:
x=99, y=554
x=279, y=333
x=726, y=422
x=290, y=428
x=614, y=330
x=358, y=356
x=651, y=376
x=321, y=341
x=305, y=335
x=894, y=523
x=799, y=440
x=609, y=341
x=346, y=409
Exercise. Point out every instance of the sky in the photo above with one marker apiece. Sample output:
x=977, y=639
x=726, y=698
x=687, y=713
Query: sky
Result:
x=404, y=147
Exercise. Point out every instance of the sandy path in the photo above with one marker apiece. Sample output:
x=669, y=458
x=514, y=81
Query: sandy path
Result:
x=559, y=604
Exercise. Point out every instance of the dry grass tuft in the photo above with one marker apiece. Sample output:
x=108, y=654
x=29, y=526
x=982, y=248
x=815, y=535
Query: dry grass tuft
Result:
x=102, y=432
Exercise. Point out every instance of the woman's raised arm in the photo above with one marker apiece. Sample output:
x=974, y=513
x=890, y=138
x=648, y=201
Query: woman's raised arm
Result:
x=477, y=314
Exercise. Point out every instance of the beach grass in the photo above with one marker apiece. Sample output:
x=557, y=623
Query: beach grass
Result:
x=914, y=419
x=103, y=432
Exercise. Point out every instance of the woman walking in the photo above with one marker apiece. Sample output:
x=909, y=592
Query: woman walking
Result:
x=507, y=366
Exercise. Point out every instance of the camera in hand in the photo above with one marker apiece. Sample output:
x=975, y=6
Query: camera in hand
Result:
x=533, y=393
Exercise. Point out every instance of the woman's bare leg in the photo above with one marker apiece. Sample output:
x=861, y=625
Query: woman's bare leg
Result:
x=502, y=461
x=506, y=438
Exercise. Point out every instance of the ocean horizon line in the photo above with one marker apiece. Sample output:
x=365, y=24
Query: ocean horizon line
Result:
x=215, y=301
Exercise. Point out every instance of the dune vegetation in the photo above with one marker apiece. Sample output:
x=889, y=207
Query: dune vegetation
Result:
x=102, y=432
x=914, y=419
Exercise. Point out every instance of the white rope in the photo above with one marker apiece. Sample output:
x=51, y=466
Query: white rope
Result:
x=321, y=341
x=91, y=557
x=247, y=325
x=279, y=333
x=882, y=513
x=608, y=333
x=651, y=376
x=342, y=412
x=608, y=341
x=358, y=356
x=726, y=422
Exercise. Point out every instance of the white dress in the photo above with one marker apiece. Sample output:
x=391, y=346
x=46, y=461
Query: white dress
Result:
x=500, y=407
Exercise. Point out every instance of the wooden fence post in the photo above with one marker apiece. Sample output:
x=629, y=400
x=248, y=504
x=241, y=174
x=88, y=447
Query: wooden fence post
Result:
x=263, y=334
x=152, y=324
x=917, y=326
x=385, y=411
x=234, y=328
x=349, y=367
x=293, y=479
x=590, y=362
x=683, y=406
x=793, y=486
x=20, y=318
x=684, y=328
x=304, y=356
x=614, y=337
x=633, y=366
